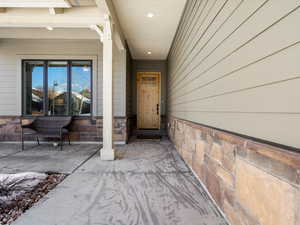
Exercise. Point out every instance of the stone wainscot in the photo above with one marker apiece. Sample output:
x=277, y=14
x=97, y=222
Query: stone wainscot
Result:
x=83, y=129
x=252, y=183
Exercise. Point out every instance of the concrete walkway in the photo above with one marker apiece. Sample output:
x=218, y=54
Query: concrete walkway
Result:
x=148, y=185
x=44, y=158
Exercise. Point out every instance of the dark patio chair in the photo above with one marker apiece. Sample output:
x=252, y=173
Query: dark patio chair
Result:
x=47, y=127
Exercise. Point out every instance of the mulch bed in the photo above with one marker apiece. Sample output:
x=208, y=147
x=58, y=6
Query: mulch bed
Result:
x=10, y=213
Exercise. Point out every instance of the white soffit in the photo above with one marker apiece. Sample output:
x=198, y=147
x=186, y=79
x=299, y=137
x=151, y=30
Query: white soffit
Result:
x=35, y=4
x=149, y=34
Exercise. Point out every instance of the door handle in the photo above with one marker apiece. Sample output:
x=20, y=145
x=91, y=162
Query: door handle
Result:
x=157, y=109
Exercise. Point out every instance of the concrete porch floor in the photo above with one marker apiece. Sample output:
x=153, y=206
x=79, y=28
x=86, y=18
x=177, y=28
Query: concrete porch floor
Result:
x=149, y=184
x=44, y=157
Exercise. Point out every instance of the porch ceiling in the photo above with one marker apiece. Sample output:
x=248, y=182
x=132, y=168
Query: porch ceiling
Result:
x=145, y=34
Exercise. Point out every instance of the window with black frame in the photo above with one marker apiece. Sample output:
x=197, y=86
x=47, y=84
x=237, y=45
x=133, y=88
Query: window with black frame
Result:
x=57, y=87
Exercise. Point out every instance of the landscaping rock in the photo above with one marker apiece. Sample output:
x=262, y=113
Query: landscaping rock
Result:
x=18, y=192
x=14, y=185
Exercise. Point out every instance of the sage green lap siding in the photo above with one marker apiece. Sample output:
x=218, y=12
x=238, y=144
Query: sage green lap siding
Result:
x=234, y=65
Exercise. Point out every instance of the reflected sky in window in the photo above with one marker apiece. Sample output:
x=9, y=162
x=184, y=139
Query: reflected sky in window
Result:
x=57, y=74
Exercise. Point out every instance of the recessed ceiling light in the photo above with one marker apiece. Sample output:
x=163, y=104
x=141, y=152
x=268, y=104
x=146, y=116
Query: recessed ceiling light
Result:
x=49, y=28
x=149, y=52
x=150, y=15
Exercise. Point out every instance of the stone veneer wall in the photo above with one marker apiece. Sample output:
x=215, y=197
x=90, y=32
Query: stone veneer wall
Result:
x=83, y=129
x=253, y=183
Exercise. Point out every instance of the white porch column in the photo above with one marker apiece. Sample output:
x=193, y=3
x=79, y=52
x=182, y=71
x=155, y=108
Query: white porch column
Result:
x=107, y=152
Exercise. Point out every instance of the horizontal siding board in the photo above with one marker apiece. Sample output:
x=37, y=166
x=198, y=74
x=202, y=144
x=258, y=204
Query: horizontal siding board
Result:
x=192, y=25
x=188, y=63
x=248, y=50
x=209, y=20
x=281, y=66
x=262, y=99
x=190, y=39
x=181, y=31
x=243, y=74
x=225, y=14
x=239, y=19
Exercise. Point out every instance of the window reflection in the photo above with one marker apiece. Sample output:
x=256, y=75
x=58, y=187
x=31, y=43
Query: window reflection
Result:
x=33, y=87
x=81, y=88
x=57, y=88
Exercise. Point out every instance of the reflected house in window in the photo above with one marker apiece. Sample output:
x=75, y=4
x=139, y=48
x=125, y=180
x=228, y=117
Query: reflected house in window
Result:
x=57, y=81
x=81, y=105
x=33, y=87
x=57, y=102
x=37, y=100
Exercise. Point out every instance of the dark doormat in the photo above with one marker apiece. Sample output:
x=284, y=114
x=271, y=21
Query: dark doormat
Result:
x=148, y=136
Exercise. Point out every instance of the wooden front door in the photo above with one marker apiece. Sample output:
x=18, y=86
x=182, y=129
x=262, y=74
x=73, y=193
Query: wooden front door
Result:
x=148, y=100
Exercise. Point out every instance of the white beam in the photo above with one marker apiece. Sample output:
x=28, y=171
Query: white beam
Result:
x=39, y=18
x=107, y=151
x=54, y=11
x=43, y=33
x=35, y=4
